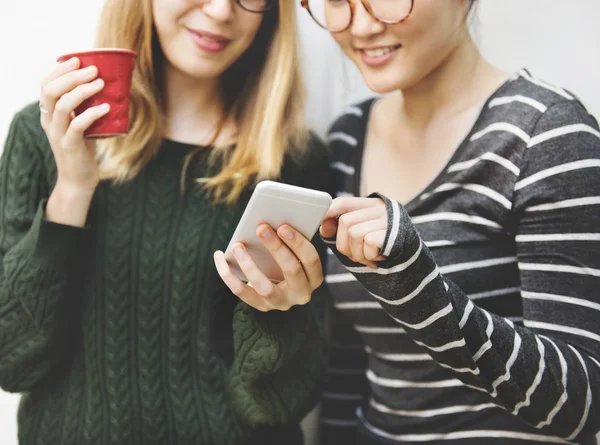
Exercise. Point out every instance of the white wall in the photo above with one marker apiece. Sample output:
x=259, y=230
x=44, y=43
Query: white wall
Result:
x=558, y=41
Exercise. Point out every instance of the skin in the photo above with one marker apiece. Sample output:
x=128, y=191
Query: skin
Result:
x=193, y=106
x=434, y=84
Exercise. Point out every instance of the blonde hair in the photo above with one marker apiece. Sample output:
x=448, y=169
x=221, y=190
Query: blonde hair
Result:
x=263, y=92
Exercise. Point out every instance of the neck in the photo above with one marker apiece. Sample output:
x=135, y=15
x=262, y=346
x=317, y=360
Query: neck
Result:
x=193, y=107
x=464, y=79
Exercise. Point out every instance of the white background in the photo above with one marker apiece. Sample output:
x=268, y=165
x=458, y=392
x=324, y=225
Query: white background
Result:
x=558, y=41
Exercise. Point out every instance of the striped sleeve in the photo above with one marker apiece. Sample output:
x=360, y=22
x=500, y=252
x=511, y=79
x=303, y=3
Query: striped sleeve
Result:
x=546, y=373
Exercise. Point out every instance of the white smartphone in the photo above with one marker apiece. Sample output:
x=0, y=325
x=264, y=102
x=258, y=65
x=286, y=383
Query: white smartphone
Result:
x=275, y=204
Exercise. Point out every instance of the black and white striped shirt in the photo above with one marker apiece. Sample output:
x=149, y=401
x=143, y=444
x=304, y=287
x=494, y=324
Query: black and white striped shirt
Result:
x=483, y=325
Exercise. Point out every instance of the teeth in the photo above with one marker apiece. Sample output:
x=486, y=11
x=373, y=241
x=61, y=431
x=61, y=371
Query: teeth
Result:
x=379, y=51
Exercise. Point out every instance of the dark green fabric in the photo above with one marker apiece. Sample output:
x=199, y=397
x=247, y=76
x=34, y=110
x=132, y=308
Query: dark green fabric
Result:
x=122, y=332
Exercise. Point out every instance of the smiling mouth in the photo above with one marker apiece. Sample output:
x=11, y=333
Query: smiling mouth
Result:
x=379, y=52
x=209, y=42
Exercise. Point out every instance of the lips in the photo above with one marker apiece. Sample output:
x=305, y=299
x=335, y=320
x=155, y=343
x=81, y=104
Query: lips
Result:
x=379, y=55
x=208, y=41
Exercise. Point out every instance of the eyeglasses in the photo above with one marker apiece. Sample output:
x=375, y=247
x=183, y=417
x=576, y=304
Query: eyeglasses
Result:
x=336, y=15
x=257, y=6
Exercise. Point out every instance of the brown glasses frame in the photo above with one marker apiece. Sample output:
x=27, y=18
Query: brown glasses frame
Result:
x=367, y=6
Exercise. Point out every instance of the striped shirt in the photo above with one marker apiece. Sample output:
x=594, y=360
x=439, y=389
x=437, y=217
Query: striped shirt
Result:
x=482, y=326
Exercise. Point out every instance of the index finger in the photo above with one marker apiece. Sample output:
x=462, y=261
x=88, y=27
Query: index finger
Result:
x=61, y=69
x=343, y=205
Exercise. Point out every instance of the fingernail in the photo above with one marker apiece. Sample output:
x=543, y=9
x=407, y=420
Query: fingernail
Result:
x=90, y=69
x=287, y=233
x=239, y=252
x=72, y=61
x=105, y=107
x=266, y=234
x=217, y=258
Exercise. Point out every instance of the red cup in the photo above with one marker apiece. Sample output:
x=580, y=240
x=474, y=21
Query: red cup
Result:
x=115, y=67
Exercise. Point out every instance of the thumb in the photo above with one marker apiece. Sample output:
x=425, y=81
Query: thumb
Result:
x=329, y=228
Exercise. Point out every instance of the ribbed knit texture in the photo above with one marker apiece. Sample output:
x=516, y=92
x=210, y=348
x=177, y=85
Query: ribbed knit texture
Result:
x=123, y=332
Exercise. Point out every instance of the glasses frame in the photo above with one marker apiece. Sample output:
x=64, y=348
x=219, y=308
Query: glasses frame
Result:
x=272, y=5
x=367, y=5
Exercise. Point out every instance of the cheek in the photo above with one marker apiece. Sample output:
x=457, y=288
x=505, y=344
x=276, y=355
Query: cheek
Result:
x=433, y=32
x=250, y=28
x=432, y=48
x=344, y=41
x=162, y=11
x=165, y=20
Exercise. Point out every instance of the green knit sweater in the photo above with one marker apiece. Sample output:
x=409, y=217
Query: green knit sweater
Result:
x=122, y=332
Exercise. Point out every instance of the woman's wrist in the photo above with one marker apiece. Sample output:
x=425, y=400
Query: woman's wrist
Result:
x=69, y=205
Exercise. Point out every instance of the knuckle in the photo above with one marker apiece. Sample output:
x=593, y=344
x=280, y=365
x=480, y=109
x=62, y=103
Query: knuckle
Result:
x=284, y=305
x=62, y=104
x=276, y=245
x=294, y=269
x=266, y=291
x=354, y=233
x=46, y=90
x=344, y=220
x=319, y=281
x=76, y=128
x=235, y=287
x=313, y=260
x=370, y=239
x=272, y=298
x=304, y=300
x=76, y=124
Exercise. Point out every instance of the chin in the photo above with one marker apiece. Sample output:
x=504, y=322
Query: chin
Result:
x=202, y=70
x=381, y=83
x=388, y=80
x=381, y=87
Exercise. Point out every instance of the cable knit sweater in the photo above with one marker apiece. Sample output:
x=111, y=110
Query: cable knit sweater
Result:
x=122, y=332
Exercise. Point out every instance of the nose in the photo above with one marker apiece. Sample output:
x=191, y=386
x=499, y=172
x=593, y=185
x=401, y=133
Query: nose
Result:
x=219, y=10
x=363, y=23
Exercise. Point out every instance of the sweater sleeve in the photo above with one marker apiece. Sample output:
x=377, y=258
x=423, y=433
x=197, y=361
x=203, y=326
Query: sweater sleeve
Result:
x=279, y=364
x=546, y=373
x=280, y=357
x=39, y=259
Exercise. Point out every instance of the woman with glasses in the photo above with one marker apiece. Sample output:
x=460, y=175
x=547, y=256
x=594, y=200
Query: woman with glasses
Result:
x=467, y=242
x=115, y=323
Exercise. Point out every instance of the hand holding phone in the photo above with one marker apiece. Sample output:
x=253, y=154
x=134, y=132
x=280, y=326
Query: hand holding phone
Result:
x=271, y=249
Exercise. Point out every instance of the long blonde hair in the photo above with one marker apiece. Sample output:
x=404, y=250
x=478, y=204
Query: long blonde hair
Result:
x=263, y=93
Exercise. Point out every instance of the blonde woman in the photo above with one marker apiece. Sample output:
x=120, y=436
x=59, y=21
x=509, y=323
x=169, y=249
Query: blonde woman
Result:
x=114, y=322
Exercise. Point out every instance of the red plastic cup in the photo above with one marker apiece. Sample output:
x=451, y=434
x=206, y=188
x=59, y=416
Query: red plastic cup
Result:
x=115, y=67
